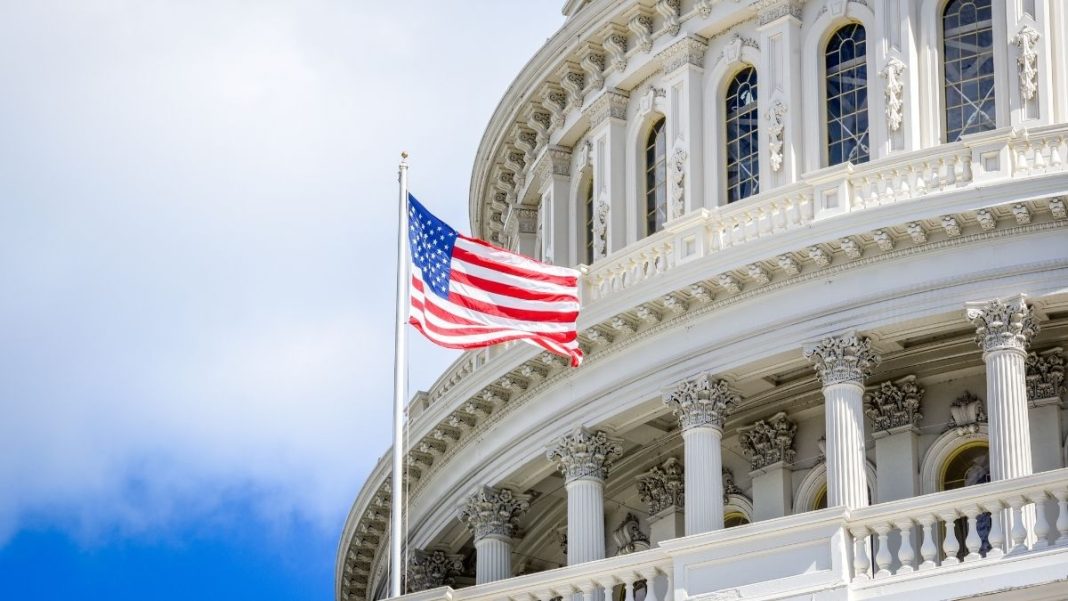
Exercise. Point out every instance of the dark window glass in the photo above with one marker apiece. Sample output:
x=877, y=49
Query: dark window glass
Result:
x=655, y=179
x=847, y=96
x=968, y=55
x=743, y=157
x=588, y=219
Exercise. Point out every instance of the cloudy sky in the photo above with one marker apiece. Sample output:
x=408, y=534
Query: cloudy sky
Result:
x=196, y=274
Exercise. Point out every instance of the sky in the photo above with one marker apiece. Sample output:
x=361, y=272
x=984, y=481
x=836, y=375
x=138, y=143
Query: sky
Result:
x=197, y=205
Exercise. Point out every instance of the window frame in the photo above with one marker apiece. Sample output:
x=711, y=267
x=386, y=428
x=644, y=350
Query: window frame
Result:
x=825, y=146
x=725, y=141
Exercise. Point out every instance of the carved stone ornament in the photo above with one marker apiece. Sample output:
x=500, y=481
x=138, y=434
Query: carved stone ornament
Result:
x=841, y=359
x=777, y=119
x=732, y=52
x=966, y=413
x=894, y=90
x=669, y=11
x=493, y=512
x=616, y=45
x=702, y=401
x=894, y=404
x=1026, y=40
x=1002, y=325
x=629, y=537
x=704, y=7
x=769, y=441
x=678, y=184
x=821, y=449
x=687, y=51
x=663, y=486
x=771, y=10
x=1045, y=375
x=641, y=25
x=611, y=104
x=583, y=454
x=729, y=487
x=600, y=229
x=592, y=63
x=431, y=569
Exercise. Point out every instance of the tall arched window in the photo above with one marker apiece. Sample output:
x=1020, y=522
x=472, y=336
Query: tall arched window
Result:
x=968, y=60
x=847, y=96
x=655, y=178
x=587, y=217
x=743, y=155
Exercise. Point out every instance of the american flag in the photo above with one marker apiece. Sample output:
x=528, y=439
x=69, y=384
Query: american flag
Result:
x=469, y=294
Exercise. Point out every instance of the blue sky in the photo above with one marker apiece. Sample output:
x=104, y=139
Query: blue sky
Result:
x=196, y=204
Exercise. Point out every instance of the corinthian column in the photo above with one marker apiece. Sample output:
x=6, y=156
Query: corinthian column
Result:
x=1003, y=330
x=702, y=404
x=492, y=515
x=842, y=363
x=584, y=458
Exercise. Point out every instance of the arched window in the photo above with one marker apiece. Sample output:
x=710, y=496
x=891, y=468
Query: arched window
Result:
x=968, y=466
x=587, y=217
x=847, y=96
x=655, y=179
x=968, y=61
x=735, y=518
x=743, y=156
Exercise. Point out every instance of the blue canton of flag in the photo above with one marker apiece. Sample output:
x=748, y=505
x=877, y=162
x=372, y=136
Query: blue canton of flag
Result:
x=431, y=240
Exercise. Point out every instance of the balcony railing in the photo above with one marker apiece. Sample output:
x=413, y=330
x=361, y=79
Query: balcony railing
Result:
x=827, y=549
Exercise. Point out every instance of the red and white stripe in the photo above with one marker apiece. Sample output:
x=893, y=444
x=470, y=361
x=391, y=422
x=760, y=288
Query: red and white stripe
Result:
x=495, y=296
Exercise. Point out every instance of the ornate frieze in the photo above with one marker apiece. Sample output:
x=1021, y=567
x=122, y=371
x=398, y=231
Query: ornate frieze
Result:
x=1026, y=41
x=1045, y=375
x=431, y=569
x=951, y=225
x=776, y=128
x=583, y=454
x=1057, y=208
x=883, y=239
x=629, y=537
x=986, y=219
x=894, y=89
x=851, y=248
x=729, y=283
x=916, y=232
x=769, y=441
x=771, y=10
x=1021, y=213
x=789, y=265
x=966, y=413
x=493, y=512
x=758, y=274
x=819, y=256
x=841, y=359
x=611, y=104
x=894, y=404
x=663, y=486
x=1002, y=325
x=687, y=51
x=702, y=401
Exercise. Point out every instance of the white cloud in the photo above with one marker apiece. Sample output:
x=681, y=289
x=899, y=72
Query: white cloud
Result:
x=196, y=243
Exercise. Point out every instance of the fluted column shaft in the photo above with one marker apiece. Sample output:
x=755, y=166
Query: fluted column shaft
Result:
x=704, y=480
x=493, y=559
x=844, y=422
x=585, y=520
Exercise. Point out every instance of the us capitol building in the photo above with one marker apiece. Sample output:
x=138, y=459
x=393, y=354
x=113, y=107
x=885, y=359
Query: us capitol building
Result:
x=824, y=248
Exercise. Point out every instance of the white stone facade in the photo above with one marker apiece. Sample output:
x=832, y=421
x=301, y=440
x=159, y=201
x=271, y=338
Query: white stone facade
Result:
x=881, y=337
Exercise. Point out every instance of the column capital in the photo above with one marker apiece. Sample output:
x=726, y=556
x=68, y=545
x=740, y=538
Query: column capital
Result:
x=841, y=359
x=429, y=569
x=611, y=104
x=583, y=454
x=663, y=486
x=1002, y=325
x=894, y=404
x=1045, y=375
x=769, y=441
x=701, y=400
x=493, y=512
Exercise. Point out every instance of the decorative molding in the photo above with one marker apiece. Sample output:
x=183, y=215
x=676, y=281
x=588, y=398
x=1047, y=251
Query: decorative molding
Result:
x=841, y=359
x=894, y=90
x=1002, y=325
x=777, y=119
x=526, y=220
x=573, y=81
x=1045, y=375
x=629, y=537
x=818, y=256
x=966, y=414
x=669, y=11
x=704, y=7
x=663, y=486
x=641, y=25
x=615, y=43
x=851, y=248
x=431, y=569
x=687, y=51
x=702, y=400
x=592, y=62
x=583, y=454
x=600, y=228
x=678, y=184
x=769, y=441
x=610, y=104
x=789, y=265
x=894, y=404
x=554, y=100
x=772, y=10
x=1026, y=41
x=729, y=487
x=986, y=219
x=732, y=52
x=493, y=512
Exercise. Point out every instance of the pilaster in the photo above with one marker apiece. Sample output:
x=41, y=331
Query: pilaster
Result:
x=894, y=410
x=768, y=444
x=683, y=65
x=552, y=176
x=607, y=135
x=1045, y=384
x=779, y=92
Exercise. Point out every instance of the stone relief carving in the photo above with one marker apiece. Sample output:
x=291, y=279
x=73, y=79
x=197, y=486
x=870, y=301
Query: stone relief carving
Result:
x=1002, y=325
x=431, y=569
x=777, y=118
x=585, y=454
x=554, y=101
x=629, y=537
x=663, y=486
x=702, y=401
x=1045, y=375
x=593, y=64
x=669, y=10
x=494, y=512
x=729, y=487
x=616, y=45
x=894, y=90
x=840, y=359
x=769, y=441
x=642, y=28
x=600, y=229
x=688, y=51
x=771, y=10
x=966, y=413
x=1026, y=40
x=894, y=404
x=704, y=7
x=678, y=183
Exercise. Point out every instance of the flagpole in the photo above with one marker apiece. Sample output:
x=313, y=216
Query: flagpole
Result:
x=400, y=384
